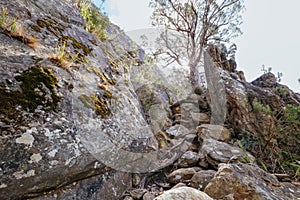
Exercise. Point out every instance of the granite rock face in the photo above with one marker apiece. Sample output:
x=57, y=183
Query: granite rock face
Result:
x=51, y=70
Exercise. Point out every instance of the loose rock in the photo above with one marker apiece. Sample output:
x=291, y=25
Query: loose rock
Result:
x=188, y=159
x=181, y=175
x=183, y=193
x=216, y=132
x=219, y=152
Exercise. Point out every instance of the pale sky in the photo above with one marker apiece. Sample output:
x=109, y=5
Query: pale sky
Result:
x=271, y=34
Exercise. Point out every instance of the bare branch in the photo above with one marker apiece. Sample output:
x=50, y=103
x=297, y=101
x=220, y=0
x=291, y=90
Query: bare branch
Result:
x=198, y=22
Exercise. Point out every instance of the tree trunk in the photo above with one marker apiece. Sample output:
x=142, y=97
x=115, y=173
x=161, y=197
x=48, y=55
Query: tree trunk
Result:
x=194, y=75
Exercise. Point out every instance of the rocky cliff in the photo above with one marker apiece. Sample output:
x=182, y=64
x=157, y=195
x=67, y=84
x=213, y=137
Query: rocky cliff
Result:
x=77, y=122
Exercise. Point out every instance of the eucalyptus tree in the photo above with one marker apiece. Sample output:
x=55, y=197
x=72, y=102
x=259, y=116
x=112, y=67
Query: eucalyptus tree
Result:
x=190, y=25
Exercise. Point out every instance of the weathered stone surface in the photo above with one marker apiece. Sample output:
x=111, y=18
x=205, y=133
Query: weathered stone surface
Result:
x=219, y=59
x=138, y=193
x=199, y=99
x=29, y=185
x=187, y=113
x=189, y=107
x=155, y=100
x=179, y=185
x=148, y=196
x=110, y=185
x=41, y=133
x=203, y=161
x=200, y=118
x=188, y=159
x=241, y=181
x=216, y=132
x=128, y=198
x=201, y=179
x=62, y=90
x=219, y=152
x=183, y=193
x=177, y=131
x=181, y=175
x=266, y=80
x=256, y=114
x=269, y=81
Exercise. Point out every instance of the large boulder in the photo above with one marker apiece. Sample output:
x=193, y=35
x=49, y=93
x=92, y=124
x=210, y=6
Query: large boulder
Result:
x=220, y=152
x=242, y=181
x=104, y=186
x=60, y=89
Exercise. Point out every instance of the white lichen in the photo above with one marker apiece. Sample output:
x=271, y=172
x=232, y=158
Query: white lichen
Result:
x=35, y=158
x=48, y=133
x=52, y=153
x=26, y=138
x=3, y=185
x=21, y=174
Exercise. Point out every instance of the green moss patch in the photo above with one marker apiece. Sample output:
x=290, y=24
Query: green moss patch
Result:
x=76, y=45
x=51, y=25
x=97, y=103
x=37, y=85
x=106, y=79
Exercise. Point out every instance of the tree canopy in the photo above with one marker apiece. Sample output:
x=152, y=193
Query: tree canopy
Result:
x=196, y=23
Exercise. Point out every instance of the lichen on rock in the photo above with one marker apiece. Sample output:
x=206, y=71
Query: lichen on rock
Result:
x=38, y=87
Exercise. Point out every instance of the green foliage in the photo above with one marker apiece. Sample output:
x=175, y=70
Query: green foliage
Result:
x=291, y=163
x=61, y=57
x=5, y=22
x=259, y=107
x=285, y=153
x=264, y=166
x=96, y=21
x=3, y=16
x=277, y=150
x=245, y=158
x=292, y=116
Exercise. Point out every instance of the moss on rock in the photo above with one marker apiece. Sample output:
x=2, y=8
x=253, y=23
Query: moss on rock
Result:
x=96, y=103
x=51, y=25
x=77, y=45
x=36, y=83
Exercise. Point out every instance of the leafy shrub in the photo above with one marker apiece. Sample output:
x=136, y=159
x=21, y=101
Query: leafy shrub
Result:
x=96, y=21
x=259, y=107
x=279, y=152
x=289, y=125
